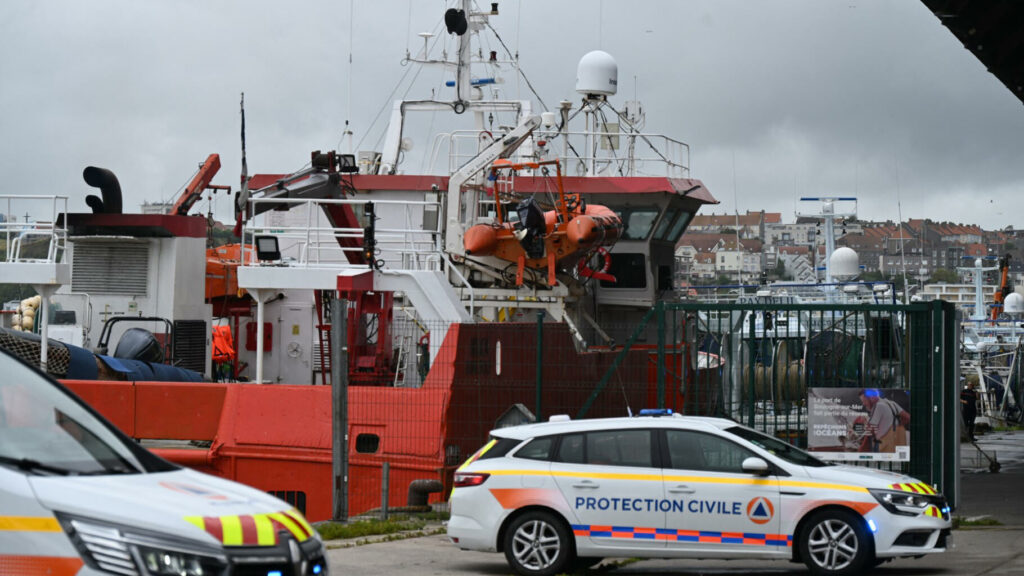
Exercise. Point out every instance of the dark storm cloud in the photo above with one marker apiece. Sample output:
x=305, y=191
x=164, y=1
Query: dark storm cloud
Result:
x=783, y=98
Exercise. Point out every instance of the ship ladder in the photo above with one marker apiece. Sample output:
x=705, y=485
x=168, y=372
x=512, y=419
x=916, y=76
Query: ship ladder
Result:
x=323, y=312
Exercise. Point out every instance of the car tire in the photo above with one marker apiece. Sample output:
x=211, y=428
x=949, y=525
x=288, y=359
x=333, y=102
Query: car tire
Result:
x=836, y=543
x=538, y=543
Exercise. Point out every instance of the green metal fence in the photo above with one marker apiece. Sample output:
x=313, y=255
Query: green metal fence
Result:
x=816, y=375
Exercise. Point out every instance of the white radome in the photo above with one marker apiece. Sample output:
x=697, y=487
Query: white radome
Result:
x=845, y=263
x=597, y=73
x=1014, y=303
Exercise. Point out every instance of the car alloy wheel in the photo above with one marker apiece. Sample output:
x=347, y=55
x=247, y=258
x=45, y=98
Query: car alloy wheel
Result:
x=835, y=543
x=537, y=544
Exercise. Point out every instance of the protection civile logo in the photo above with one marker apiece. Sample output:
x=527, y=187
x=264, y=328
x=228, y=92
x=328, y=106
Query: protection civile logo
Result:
x=760, y=510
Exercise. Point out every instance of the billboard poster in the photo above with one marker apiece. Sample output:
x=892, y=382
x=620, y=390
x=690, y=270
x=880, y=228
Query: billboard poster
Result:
x=870, y=424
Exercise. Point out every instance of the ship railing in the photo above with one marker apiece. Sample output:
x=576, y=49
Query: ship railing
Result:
x=612, y=154
x=19, y=235
x=404, y=243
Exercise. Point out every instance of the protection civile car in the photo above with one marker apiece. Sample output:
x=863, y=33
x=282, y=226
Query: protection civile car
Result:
x=560, y=496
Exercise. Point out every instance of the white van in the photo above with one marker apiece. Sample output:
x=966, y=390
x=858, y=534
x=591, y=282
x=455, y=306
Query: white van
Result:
x=78, y=497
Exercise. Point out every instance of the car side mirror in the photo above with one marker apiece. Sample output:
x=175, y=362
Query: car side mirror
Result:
x=755, y=466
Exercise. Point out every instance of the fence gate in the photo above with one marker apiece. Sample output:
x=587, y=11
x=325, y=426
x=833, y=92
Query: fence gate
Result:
x=868, y=384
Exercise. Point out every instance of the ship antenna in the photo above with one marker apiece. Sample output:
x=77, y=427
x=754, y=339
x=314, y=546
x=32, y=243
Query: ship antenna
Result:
x=241, y=203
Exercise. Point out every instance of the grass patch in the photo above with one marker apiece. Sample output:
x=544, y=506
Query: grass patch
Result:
x=961, y=522
x=369, y=527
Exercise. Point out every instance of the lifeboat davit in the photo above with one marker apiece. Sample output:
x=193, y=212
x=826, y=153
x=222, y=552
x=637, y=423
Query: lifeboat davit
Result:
x=542, y=239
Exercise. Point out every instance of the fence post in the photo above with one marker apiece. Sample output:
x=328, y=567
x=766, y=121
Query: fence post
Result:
x=339, y=403
x=385, y=483
x=540, y=365
x=661, y=354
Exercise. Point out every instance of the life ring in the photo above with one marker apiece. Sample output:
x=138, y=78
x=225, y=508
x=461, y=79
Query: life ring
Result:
x=587, y=272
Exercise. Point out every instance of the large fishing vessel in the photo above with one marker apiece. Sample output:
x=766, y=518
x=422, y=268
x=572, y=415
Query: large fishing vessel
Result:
x=493, y=285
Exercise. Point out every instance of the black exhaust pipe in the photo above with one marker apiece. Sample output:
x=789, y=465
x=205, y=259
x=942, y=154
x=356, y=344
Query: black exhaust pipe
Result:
x=109, y=187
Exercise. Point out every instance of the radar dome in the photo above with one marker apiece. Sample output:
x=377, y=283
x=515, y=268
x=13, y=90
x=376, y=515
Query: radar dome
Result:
x=844, y=263
x=1014, y=303
x=597, y=74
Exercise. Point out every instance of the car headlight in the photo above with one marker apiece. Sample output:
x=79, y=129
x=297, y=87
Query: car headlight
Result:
x=131, y=552
x=902, y=503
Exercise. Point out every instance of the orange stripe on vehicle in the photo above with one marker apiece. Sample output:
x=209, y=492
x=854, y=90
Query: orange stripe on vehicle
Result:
x=861, y=508
x=29, y=524
x=513, y=498
x=36, y=565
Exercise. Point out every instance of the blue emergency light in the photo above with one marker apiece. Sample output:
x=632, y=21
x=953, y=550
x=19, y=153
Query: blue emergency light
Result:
x=656, y=412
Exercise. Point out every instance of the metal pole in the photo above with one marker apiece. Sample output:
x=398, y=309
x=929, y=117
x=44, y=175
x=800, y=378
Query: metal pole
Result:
x=540, y=364
x=385, y=473
x=339, y=403
x=259, y=334
x=661, y=354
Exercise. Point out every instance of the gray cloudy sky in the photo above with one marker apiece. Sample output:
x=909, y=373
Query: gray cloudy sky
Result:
x=777, y=99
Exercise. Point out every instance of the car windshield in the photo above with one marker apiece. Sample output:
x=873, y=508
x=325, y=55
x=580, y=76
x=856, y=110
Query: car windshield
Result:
x=776, y=447
x=45, y=431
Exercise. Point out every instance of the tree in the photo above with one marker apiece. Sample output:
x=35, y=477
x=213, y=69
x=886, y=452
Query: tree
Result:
x=944, y=276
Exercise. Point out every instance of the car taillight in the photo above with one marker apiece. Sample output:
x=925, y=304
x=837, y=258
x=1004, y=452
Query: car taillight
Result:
x=463, y=479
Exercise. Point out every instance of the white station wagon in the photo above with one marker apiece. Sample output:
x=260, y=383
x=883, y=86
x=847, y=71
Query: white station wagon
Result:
x=562, y=495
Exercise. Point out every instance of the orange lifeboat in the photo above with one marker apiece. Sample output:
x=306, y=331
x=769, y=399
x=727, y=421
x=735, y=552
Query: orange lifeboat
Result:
x=542, y=239
x=222, y=270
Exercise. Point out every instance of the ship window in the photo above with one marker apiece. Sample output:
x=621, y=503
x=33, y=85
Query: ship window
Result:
x=679, y=226
x=629, y=270
x=637, y=222
x=367, y=443
x=670, y=216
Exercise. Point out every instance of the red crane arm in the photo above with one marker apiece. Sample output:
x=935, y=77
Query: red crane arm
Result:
x=199, y=183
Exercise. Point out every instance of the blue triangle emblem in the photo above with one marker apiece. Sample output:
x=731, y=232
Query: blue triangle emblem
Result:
x=760, y=512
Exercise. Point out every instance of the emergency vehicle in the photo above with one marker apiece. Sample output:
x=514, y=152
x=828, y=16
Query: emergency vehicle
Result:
x=77, y=497
x=561, y=495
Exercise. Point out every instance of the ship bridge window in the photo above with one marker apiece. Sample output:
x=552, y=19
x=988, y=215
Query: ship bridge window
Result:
x=660, y=233
x=629, y=270
x=637, y=222
x=678, y=227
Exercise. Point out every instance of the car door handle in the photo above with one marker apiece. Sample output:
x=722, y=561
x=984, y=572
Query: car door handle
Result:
x=586, y=484
x=682, y=489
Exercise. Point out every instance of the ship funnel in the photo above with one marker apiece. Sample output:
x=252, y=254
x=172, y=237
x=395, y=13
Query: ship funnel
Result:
x=109, y=187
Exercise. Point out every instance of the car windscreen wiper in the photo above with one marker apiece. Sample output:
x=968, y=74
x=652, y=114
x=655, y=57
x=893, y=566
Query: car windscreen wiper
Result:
x=30, y=465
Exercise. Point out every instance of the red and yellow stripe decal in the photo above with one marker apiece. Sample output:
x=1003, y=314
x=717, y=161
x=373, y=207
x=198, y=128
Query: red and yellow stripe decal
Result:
x=915, y=487
x=933, y=512
x=478, y=454
x=253, y=529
